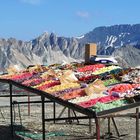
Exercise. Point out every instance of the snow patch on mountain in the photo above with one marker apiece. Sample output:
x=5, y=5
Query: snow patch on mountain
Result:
x=80, y=37
x=123, y=34
x=111, y=40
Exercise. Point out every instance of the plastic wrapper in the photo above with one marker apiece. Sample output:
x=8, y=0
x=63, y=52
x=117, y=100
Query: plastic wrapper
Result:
x=13, y=69
x=68, y=77
x=50, y=74
x=96, y=87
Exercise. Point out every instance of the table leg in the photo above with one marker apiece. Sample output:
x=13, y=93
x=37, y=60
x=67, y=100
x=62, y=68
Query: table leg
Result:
x=109, y=126
x=54, y=112
x=62, y=112
x=11, y=110
x=69, y=115
x=43, y=117
x=97, y=121
x=137, y=123
x=90, y=123
x=116, y=128
x=29, y=104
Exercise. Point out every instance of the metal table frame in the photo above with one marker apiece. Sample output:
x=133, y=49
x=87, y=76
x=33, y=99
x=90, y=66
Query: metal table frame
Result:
x=89, y=113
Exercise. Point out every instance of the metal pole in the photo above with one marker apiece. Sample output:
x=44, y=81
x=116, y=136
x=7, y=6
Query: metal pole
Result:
x=90, y=129
x=68, y=112
x=69, y=115
x=62, y=112
x=19, y=113
x=54, y=111
x=117, y=131
x=75, y=116
x=108, y=126
x=11, y=111
x=137, y=123
x=29, y=104
x=43, y=117
x=14, y=116
x=97, y=128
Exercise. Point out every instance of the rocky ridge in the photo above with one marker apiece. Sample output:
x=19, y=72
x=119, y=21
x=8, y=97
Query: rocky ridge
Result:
x=121, y=41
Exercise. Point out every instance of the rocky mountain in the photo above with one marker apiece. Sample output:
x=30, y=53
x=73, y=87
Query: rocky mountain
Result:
x=46, y=49
x=121, y=41
x=113, y=35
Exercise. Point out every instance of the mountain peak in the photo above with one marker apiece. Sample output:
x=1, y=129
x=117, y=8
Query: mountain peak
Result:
x=44, y=35
x=80, y=37
x=48, y=48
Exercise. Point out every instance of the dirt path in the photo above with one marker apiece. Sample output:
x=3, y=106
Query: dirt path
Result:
x=73, y=131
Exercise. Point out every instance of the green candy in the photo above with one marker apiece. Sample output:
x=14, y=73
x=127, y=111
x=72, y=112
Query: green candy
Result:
x=110, y=82
x=106, y=106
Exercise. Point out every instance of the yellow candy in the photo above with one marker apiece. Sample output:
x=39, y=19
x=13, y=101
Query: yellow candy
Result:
x=105, y=69
x=62, y=87
x=44, y=83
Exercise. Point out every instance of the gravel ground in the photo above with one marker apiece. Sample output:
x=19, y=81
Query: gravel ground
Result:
x=32, y=123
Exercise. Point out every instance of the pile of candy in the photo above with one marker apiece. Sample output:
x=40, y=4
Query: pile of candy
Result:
x=62, y=87
x=78, y=84
x=102, y=106
x=132, y=76
x=112, y=81
x=106, y=69
x=91, y=68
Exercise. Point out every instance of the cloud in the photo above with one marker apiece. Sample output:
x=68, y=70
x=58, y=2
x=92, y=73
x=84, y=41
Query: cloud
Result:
x=33, y=2
x=83, y=14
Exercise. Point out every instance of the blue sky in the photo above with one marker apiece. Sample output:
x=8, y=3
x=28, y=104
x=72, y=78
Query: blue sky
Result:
x=27, y=19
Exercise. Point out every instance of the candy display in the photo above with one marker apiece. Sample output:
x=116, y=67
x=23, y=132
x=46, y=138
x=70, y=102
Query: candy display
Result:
x=102, y=106
x=21, y=77
x=33, y=81
x=91, y=68
x=86, y=98
x=92, y=102
x=111, y=81
x=6, y=76
x=65, y=91
x=62, y=87
x=133, y=76
x=120, y=88
x=73, y=94
x=47, y=84
x=93, y=86
x=128, y=94
x=68, y=76
x=50, y=74
x=124, y=90
x=88, y=77
x=136, y=86
x=106, y=69
x=97, y=87
x=37, y=68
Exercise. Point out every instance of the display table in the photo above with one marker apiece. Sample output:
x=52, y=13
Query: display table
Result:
x=88, y=113
x=87, y=95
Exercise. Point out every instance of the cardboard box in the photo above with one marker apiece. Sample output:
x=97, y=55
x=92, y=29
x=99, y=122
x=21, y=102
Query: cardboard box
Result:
x=90, y=50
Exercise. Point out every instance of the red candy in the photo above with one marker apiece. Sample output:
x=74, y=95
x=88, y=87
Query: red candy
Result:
x=90, y=68
x=33, y=82
x=48, y=85
x=120, y=88
x=22, y=76
x=73, y=94
x=136, y=85
x=92, y=102
x=86, y=78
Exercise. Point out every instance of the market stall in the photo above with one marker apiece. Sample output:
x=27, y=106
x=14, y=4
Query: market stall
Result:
x=96, y=91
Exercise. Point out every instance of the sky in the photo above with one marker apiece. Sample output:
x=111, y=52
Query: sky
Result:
x=27, y=19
